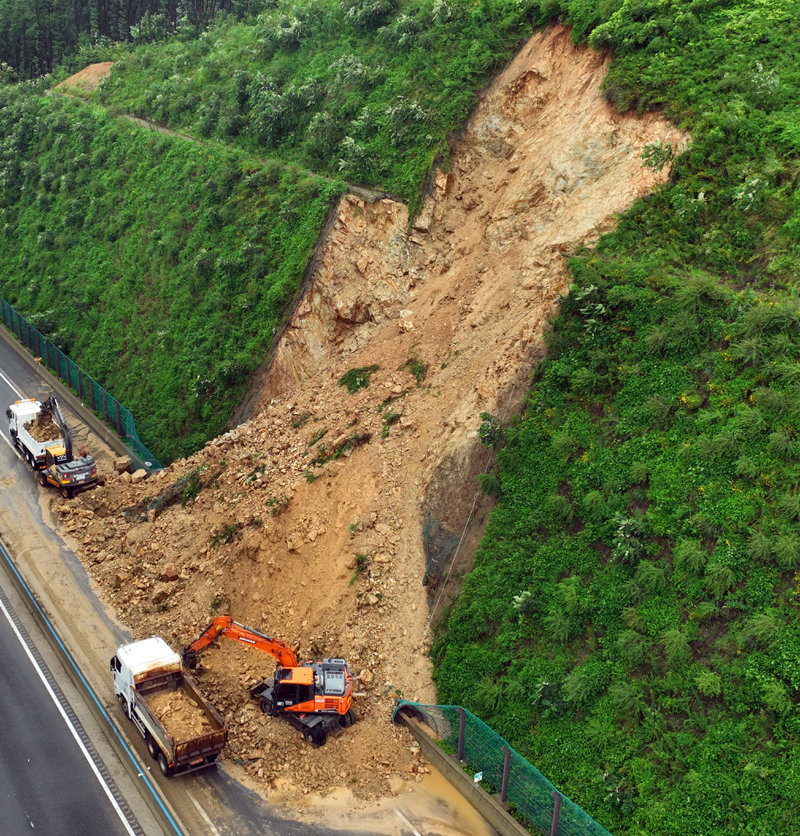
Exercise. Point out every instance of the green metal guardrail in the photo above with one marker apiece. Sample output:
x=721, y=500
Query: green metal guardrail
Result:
x=517, y=781
x=88, y=390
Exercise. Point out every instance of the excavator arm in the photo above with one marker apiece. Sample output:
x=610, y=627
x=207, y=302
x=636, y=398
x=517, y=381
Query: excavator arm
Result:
x=52, y=405
x=224, y=625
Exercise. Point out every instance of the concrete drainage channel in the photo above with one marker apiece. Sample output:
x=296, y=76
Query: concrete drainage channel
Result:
x=486, y=805
x=150, y=793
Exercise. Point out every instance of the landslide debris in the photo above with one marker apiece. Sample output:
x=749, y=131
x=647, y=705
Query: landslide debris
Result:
x=180, y=715
x=320, y=518
x=43, y=427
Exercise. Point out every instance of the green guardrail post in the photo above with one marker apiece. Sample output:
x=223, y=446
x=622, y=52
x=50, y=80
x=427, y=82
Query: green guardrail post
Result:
x=462, y=724
x=556, y=813
x=506, y=770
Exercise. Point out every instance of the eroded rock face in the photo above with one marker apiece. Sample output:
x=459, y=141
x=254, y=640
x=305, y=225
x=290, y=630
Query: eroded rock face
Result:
x=314, y=516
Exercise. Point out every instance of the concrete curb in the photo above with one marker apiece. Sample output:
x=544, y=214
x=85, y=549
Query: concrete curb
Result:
x=66, y=395
x=487, y=805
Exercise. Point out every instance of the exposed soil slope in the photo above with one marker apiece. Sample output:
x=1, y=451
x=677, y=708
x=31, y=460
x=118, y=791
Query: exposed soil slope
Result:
x=86, y=80
x=543, y=166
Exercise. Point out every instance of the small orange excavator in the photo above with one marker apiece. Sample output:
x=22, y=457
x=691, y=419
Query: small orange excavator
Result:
x=315, y=697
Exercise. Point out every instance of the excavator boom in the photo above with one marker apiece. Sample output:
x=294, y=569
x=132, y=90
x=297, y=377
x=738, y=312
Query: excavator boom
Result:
x=224, y=625
x=52, y=405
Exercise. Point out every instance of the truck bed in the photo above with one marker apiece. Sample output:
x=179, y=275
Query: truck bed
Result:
x=189, y=723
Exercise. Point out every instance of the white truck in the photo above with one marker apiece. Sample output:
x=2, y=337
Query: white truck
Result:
x=41, y=434
x=181, y=729
x=26, y=417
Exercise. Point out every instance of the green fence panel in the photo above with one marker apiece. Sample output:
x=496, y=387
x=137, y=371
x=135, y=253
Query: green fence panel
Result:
x=485, y=751
x=88, y=390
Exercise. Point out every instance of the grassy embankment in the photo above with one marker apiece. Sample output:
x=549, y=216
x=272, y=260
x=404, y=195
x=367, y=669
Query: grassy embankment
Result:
x=160, y=266
x=360, y=89
x=632, y=622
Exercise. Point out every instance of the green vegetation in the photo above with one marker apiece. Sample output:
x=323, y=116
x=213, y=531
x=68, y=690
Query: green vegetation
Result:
x=418, y=368
x=649, y=508
x=163, y=268
x=355, y=379
x=353, y=88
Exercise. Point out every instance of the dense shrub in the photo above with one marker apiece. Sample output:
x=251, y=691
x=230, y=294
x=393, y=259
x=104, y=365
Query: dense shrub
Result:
x=688, y=564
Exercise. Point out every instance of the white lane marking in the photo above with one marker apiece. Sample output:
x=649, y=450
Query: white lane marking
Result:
x=3, y=436
x=21, y=397
x=66, y=720
x=202, y=812
x=11, y=386
x=407, y=823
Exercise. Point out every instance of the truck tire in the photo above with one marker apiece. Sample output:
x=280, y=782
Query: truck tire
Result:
x=266, y=706
x=66, y=493
x=42, y=479
x=125, y=707
x=347, y=719
x=163, y=765
x=152, y=747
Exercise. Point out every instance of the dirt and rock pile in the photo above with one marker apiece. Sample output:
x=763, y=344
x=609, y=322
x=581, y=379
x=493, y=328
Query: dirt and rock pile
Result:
x=180, y=715
x=43, y=427
x=321, y=518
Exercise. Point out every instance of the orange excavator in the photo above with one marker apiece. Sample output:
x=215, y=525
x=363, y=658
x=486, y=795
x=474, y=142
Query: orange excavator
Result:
x=315, y=697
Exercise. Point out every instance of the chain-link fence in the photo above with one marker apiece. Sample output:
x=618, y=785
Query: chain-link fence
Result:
x=506, y=771
x=88, y=390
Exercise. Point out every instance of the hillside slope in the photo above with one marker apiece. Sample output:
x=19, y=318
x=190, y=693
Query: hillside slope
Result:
x=319, y=518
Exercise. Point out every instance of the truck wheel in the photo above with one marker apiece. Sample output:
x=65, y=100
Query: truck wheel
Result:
x=152, y=747
x=125, y=707
x=163, y=765
x=42, y=479
x=66, y=493
x=347, y=719
x=266, y=706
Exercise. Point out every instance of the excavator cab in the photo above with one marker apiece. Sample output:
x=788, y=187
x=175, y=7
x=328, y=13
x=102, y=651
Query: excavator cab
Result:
x=293, y=686
x=55, y=455
x=65, y=473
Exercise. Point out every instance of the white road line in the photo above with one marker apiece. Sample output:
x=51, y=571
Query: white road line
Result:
x=3, y=436
x=11, y=386
x=202, y=812
x=21, y=397
x=407, y=823
x=66, y=720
